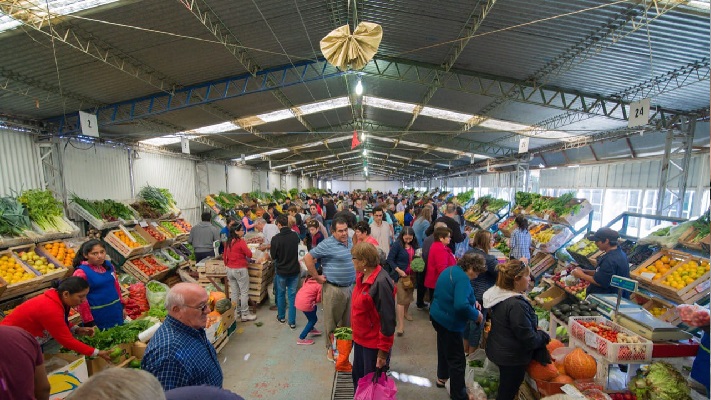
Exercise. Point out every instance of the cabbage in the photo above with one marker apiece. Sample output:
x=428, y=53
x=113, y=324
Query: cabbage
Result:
x=660, y=381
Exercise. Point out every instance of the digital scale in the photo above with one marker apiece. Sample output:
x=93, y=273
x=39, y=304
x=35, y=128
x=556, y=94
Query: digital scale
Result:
x=633, y=316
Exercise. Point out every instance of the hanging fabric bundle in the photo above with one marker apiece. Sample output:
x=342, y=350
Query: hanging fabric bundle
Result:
x=343, y=49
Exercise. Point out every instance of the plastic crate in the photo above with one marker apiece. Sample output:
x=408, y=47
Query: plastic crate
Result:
x=613, y=352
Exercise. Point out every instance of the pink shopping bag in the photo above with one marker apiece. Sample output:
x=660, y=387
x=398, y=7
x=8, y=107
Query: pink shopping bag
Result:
x=376, y=386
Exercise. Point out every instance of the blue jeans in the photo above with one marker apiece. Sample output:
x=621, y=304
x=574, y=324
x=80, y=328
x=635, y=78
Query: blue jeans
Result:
x=286, y=286
x=328, y=223
x=310, y=324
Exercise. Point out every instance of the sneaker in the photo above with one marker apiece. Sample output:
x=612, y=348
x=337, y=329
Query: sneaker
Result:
x=248, y=317
x=329, y=355
x=272, y=308
x=315, y=332
x=305, y=341
x=281, y=320
x=292, y=326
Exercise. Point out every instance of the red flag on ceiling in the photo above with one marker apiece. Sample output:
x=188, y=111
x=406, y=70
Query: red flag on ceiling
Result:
x=355, y=142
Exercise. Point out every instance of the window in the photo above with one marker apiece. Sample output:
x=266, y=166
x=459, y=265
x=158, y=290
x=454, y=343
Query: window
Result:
x=618, y=201
x=594, y=196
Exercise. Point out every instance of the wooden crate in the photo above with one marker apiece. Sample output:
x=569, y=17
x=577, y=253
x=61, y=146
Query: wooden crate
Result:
x=97, y=223
x=123, y=249
x=44, y=252
x=686, y=239
x=256, y=270
x=679, y=256
x=130, y=268
x=43, y=236
x=671, y=316
x=257, y=297
x=690, y=293
x=571, y=219
x=556, y=293
x=540, y=263
x=58, y=273
x=20, y=288
x=215, y=267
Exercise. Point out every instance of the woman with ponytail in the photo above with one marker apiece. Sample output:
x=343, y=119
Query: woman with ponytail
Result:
x=104, y=307
x=46, y=316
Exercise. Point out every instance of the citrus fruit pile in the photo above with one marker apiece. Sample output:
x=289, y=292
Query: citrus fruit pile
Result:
x=686, y=273
x=12, y=272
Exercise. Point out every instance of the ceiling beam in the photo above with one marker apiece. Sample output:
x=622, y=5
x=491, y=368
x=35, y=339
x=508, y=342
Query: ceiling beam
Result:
x=481, y=10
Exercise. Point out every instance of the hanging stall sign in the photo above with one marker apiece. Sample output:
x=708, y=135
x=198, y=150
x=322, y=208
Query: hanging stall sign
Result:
x=639, y=113
x=185, y=145
x=89, y=124
x=523, y=145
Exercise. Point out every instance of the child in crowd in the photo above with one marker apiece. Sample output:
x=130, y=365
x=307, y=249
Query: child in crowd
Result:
x=306, y=299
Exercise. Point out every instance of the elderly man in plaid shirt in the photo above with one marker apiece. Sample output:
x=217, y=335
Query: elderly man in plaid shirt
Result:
x=179, y=353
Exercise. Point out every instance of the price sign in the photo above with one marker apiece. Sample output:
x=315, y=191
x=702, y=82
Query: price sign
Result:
x=154, y=223
x=143, y=224
x=639, y=113
x=623, y=283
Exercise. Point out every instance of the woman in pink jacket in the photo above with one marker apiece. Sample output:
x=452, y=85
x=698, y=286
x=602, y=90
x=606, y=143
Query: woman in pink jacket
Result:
x=306, y=299
x=235, y=257
x=439, y=257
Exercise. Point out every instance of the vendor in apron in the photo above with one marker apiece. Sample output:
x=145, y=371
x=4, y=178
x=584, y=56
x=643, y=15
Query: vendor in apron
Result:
x=103, y=306
x=613, y=262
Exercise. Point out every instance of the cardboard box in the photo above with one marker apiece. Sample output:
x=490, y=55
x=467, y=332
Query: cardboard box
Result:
x=555, y=292
x=211, y=331
x=232, y=328
x=63, y=380
x=138, y=349
x=98, y=364
x=228, y=318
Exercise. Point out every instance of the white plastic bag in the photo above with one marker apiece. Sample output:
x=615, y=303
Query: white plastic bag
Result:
x=156, y=298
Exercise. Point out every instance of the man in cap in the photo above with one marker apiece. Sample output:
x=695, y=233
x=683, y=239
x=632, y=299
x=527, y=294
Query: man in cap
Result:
x=613, y=262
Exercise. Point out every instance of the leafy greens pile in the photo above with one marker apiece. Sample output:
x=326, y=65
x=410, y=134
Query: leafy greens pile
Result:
x=44, y=210
x=660, y=381
x=126, y=333
x=107, y=210
x=14, y=219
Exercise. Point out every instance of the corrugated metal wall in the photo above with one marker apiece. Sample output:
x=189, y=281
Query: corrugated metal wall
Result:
x=172, y=173
x=19, y=162
x=216, y=174
x=292, y=181
x=620, y=175
x=96, y=173
x=239, y=180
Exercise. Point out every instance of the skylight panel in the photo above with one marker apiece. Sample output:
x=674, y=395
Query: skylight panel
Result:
x=217, y=128
x=326, y=105
x=389, y=104
x=164, y=140
x=445, y=114
x=56, y=8
x=276, y=115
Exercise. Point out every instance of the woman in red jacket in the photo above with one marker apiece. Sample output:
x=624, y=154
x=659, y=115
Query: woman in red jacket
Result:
x=372, y=312
x=235, y=257
x=439, y=257
x=46, y=316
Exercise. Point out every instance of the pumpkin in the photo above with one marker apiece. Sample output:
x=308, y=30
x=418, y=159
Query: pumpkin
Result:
x=554, y=344
x=223, y=305
x=537, y=370
x=560, y=367
x=580, y=365
x=563, y=379
x=214, y=297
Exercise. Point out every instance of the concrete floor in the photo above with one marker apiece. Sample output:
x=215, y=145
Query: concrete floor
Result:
x=266, y=363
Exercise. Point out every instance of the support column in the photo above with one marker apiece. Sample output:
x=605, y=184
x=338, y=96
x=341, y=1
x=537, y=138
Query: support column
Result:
x=282, y=181
x=675, y=168
x=203, y=180
x=523, y=175
x=51, y=170
x=256, y=185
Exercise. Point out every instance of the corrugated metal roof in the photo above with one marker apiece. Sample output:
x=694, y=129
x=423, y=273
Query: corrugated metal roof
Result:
x=515, y=41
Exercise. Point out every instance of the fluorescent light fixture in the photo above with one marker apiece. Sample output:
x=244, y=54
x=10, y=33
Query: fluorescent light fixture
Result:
x=277, y=115
x=321, y=106
x=359, y=88
x=365, y=152
x=574, y=166
x=216, y=128
x=165, y=140
x=541, y=166
x=362, y=137
x=389, y=104
x=56, y=8
x=700, y=4
x=445, y=114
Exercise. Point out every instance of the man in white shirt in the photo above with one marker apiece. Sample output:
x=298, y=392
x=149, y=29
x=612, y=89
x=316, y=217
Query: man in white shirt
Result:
x=401, y=205
x=268, y=230
x=381, y=230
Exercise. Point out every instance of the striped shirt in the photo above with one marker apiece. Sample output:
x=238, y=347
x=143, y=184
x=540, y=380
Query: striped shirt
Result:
x=336, y=260
x=520, y=244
